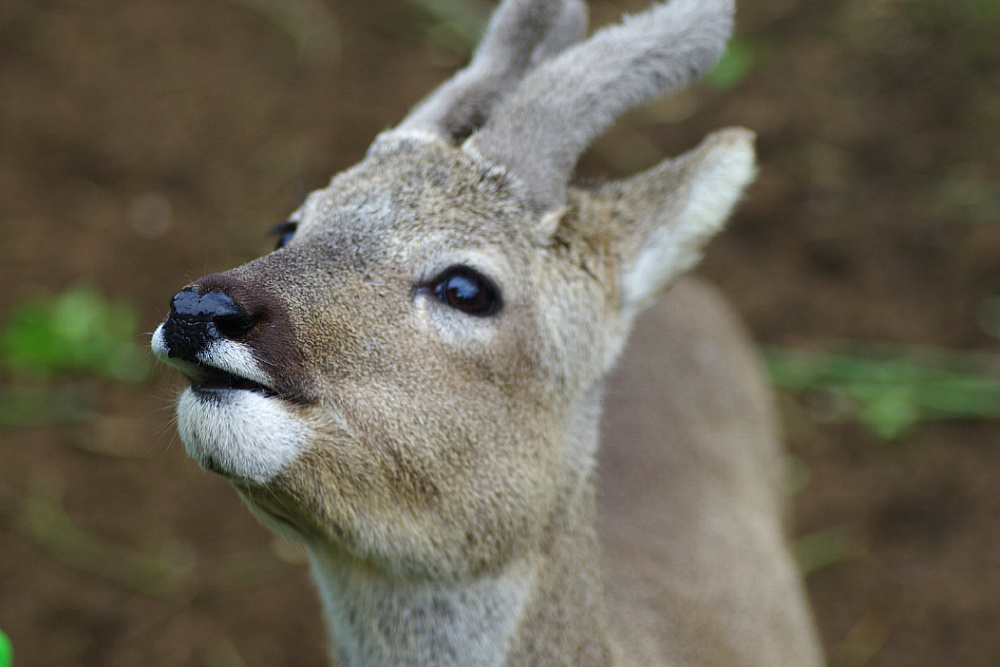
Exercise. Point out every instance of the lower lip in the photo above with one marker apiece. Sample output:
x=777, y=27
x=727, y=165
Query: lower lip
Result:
x=211, y=391
x=218, y=392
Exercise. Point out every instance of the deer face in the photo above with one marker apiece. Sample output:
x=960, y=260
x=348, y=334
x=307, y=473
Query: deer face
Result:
x=405, y=380
x=393, y=378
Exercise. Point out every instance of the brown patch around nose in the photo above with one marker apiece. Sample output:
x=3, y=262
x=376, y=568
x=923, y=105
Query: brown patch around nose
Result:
x=270, y=335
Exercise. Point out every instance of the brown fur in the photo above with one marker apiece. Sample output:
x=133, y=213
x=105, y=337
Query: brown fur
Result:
x=692, y=502
x=441, y=467
x=446, y=462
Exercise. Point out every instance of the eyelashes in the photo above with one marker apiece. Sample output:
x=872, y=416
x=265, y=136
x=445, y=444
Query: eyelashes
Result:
x=284, y=231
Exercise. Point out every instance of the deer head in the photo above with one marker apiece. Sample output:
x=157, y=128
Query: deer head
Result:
x=410, y=383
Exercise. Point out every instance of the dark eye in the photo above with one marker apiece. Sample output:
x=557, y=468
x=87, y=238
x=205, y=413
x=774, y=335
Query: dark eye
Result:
x=284, y=231
x=465, y=290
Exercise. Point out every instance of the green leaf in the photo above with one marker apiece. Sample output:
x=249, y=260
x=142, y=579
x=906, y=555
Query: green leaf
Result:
x=6, y=651
x=738, y=60
x=824, y=548
x=889, y=413
x=891, y=392
x=77, y=331
x=463, y=21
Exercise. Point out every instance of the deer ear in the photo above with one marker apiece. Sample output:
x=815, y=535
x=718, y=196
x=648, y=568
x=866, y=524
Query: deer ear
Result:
x=678, y=207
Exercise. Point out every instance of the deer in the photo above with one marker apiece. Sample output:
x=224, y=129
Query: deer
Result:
x=411, y=383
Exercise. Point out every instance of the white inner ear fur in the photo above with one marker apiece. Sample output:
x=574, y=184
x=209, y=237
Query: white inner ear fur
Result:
x=547, y=226
x=719, y=171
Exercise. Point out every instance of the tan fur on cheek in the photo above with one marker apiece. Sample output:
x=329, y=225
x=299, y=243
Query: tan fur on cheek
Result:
x=426, y=494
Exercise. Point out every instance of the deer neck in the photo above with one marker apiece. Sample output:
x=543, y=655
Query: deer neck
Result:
x=547, y=607
x=375, y=619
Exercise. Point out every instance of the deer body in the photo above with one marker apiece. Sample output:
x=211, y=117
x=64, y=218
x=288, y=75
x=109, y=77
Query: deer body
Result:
x=412, y=385
x=691, y=495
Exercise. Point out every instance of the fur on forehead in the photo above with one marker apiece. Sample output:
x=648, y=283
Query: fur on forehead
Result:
x=416, y=181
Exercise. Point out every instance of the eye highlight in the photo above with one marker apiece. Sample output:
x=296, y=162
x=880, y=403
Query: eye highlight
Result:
x=466, y=290
x=284, y=231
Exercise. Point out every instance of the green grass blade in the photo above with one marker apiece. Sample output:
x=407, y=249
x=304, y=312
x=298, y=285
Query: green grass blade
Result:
x=891, y=391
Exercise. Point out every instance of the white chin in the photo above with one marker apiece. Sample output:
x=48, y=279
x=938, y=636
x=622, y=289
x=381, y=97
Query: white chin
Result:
x=242, y=433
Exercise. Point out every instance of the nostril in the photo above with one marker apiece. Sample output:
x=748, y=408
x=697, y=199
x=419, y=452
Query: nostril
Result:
x=235, y=325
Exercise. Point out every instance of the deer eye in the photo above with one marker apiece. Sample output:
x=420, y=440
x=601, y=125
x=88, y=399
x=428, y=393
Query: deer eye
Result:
x=284, y=231
x=466, y=290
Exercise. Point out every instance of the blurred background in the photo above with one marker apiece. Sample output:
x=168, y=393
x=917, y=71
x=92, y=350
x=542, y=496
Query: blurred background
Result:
x=144, y=143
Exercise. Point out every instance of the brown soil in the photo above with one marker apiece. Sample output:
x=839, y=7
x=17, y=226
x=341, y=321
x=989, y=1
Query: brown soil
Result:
x=143, y=143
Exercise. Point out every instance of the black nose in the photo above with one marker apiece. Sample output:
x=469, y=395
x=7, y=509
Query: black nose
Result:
x=196, y=320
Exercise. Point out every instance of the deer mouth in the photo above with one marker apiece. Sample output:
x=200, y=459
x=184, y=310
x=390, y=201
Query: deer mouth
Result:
x=213, y=380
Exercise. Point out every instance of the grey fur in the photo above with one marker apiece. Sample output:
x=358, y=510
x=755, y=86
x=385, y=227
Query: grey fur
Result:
x=521, y=34
x=540, y=132
x=441, y=465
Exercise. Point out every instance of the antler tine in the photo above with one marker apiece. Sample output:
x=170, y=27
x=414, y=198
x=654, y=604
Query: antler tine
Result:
x=521, y=33
x=544, y=126
x=568, y=29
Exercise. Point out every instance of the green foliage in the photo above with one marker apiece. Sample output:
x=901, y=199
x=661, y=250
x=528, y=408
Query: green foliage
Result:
x=459, y=24
x=824, y=548
x=6, y=651
x=78, y=331
x=890, y=392
x=738, y=60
